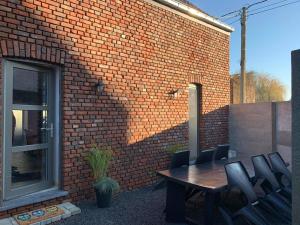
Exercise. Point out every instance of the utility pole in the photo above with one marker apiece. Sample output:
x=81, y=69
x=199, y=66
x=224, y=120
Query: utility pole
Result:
x=243, y=78
x=243, y=14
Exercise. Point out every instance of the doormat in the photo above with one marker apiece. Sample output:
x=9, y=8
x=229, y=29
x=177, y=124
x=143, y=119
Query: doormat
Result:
x=38, y=215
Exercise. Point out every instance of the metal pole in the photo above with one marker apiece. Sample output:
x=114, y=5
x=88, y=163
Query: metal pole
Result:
x=243, y=81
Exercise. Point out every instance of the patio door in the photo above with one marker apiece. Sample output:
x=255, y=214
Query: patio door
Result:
x=28, y=129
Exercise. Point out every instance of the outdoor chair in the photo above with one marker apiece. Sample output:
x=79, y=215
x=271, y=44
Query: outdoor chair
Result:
x=280, y=169
x=205, y=156
x=256, y=211
x=222, y=152
x=179, y=159
x=275, y=193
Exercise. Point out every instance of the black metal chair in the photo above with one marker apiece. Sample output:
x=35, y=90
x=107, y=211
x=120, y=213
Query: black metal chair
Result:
x=205, y=156
x=280, y=169
x=222, y=152
x=255, y=211
x=275, y=193
x=179, y=159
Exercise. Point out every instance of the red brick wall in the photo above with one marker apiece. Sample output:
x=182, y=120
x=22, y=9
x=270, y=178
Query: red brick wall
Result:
x=141, y=52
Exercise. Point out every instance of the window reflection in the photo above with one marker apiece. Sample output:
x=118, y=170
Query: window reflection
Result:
x=29, y=87
x=28, y=127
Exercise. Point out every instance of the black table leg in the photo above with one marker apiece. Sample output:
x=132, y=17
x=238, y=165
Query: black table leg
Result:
x=175, y=205
x=211, y=200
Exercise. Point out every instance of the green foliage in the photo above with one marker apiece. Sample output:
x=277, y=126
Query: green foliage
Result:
x=99, y=160
x=175, y=148
x=107, y=184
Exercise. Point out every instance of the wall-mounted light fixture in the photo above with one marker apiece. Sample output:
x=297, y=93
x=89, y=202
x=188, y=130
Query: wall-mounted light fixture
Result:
x=174, y=93
x=99, y=87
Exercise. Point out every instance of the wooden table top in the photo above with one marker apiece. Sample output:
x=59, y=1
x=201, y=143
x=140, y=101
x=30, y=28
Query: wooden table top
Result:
x=209, y=176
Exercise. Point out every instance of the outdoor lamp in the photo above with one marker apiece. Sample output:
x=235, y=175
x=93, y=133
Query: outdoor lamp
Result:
x=99, y=87
x=174, y=93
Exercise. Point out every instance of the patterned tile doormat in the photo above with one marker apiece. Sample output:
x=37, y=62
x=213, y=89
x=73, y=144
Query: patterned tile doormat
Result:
x=38, y=215
x=43, y=216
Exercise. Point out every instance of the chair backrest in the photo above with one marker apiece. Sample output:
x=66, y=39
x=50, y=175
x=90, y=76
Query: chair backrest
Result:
x=238, y=177
x=279, y=166
x=263, y=171
x=222, y=152
x=205, y=156
x=180, y=159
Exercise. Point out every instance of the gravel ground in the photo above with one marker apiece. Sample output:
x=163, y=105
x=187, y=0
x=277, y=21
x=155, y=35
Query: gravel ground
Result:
x=140, y=207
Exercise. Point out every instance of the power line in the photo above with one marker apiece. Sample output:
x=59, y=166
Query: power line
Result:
x=256, y=3
x=266, y=10
x=239, y=10
x=227, y=14
x=263, y=7
x=257, y=9
x=235, y=16
x=230, y=17
x=234, y=21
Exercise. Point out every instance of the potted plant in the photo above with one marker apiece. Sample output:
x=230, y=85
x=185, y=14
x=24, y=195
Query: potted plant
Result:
x=99, y=159
x=175, y=148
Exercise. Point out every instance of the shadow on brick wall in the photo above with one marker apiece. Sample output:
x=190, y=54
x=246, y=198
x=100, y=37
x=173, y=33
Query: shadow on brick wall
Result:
x=149, y=155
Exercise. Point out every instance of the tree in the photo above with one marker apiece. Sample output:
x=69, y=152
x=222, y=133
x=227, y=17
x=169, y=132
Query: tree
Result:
x=268, y=89
x=250, y=89
x=260, y=88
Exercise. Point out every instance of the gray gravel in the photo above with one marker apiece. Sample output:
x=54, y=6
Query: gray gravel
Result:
x=139, y=207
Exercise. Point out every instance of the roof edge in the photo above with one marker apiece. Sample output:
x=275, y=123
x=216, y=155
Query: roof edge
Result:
x=197, y=14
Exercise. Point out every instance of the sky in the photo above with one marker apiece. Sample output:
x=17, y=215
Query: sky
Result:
x=271, y=36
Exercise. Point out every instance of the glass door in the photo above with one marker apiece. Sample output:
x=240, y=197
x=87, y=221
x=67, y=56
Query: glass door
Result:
x=28, y=129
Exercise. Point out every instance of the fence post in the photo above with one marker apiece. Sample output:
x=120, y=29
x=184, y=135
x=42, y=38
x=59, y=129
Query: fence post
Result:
x=274, y=125
x=296, y=135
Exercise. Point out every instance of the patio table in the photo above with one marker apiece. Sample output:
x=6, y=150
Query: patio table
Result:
x=208, y=177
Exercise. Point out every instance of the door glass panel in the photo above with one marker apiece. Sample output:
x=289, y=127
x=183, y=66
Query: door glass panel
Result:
x=28, y=127
x=29, y=87
x=27, y=167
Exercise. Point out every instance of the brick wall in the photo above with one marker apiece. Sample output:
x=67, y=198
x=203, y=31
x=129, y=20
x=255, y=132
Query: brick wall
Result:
x=141, y=52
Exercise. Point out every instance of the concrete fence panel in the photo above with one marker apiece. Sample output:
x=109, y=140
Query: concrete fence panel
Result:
x=261, y=128
x=250, y=128
x=284, y=129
